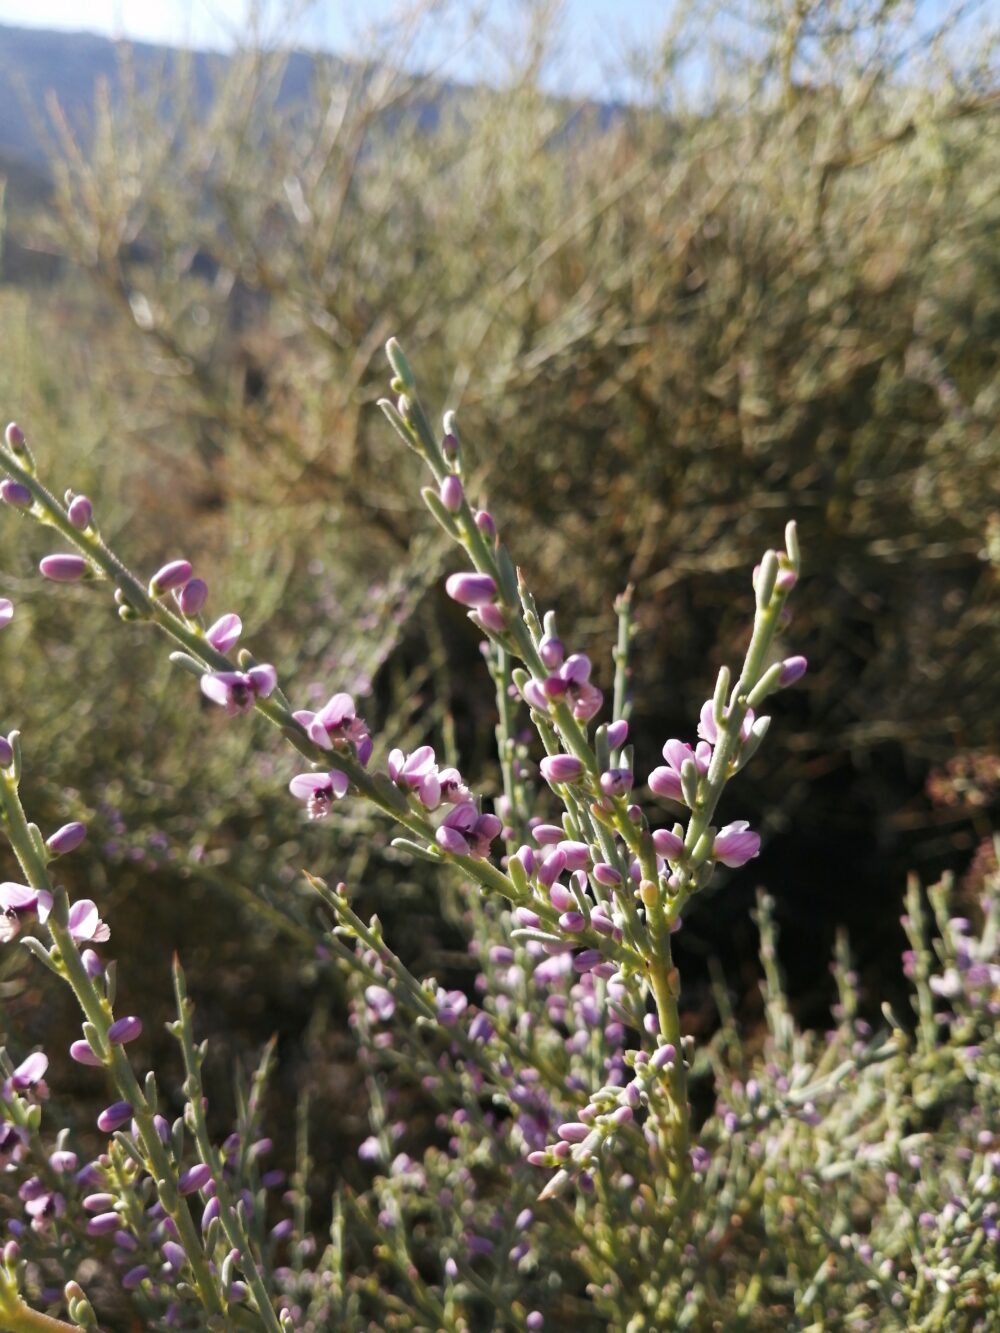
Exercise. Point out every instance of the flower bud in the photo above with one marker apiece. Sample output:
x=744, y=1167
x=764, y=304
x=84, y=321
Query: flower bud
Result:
x=192, y=597
x=16, y=494
x=81, y=512
x=83, y=1054
x=63, y=568
x=471, y=589
x=14, y=436
x=66, y=839
x=195, y=1178
x=6, y=611
x=485, y=524
x=124, y=1029
x=561, y=768
x=114, y=1116
x=172, y=575
x=452, y=494
x=792, y=669
x=6, y=753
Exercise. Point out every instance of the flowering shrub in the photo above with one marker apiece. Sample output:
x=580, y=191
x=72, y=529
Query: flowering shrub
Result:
x=848, y=1180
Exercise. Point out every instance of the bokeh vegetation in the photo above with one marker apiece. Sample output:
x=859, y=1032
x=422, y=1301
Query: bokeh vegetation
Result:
x=769, y=288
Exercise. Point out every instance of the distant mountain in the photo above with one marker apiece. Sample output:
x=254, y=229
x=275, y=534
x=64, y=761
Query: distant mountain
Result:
x=34, y=62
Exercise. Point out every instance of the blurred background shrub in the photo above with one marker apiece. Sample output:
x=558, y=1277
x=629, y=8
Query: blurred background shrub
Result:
x=767, y=287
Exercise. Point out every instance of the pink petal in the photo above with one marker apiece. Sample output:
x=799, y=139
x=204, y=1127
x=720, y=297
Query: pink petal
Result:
x=224, y=633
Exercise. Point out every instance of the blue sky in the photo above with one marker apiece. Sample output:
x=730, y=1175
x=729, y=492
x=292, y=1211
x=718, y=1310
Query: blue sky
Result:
x=597, y=34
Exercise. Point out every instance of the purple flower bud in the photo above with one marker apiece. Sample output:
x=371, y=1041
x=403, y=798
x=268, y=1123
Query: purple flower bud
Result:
x=552, y=652
x=606, y=875
x=83, y=1054
x=212, y=1210
x=617, y=734
x=14, y=436
x=92, y=964
x=471, y=589
x=6, y=611
x=535, y=1321
x=172, y=575
x=135, y=1276
x=225, y=632
x=452, y=494
x=14, y=493
x=491, y=617
x=98, y=1203
x=63, y=568
x=736, y=844
x=577, y=854
x=80, y=511
x=103, y=1224
x=66, y=839
x=126, y=1241
x=792, y=669
x=283, y=1229
x=195, y=1178
x=534, y=696
x=561, y=768
x=6, y=753
x=485, y=524
x=63, y=1160
x=192, y=597
x=113, y=1117
x=663, y=1056
x=668, y=844
x=174, y=1254
x=124, y=1029
x=573, y=1131
x=547, y=834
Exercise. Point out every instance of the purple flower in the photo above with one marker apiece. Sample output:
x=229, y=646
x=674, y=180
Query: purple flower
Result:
x=465, y=832
x=192, y=597
x=238, y=691
x=337, y=726
x=173, y=575
x=707, y=729
x=66, y=839
x=63, y=568
x=573, y=681
x=16, y=900
x=736, y=844
x=124, y=1029
x=381, y=1001
x=417, y=772
x=85, y=924
x=80, y=512
x=558, y=768
x=471, y=589
x=29, y=1076
x=225, y=632
x=319, y=791
x=616, y=781
x=6, y=752
x=666, y=781
x=16, y=494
